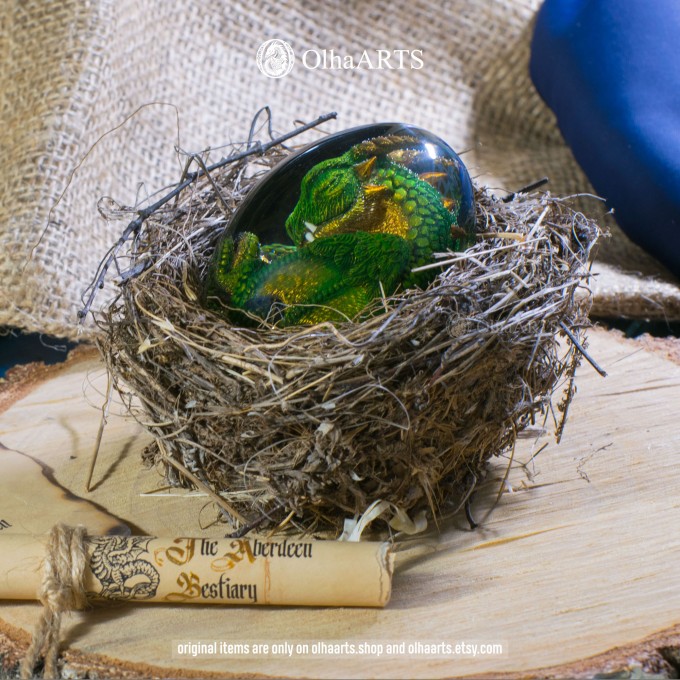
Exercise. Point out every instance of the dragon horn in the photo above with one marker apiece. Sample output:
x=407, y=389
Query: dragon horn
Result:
x=364, y=168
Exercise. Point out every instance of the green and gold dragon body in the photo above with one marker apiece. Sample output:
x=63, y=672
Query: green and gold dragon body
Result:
x=363, y=222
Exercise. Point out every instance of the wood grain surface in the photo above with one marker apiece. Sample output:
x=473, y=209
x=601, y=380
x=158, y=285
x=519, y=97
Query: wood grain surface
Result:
x=575, y=570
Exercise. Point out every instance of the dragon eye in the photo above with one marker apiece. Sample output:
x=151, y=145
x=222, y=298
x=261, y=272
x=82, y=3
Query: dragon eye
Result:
x=334, y=183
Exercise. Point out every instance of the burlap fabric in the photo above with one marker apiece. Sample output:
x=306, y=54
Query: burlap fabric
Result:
x=73, y=71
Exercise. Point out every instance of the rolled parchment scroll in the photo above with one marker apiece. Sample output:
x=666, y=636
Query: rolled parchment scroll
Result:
x=240, y=571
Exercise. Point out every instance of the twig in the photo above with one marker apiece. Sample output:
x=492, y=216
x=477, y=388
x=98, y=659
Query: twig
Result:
x=100, y=432
x=468, y=513
x=530, y=187
x=507, y=235
x=216, y=189
x=253, y=125
x=84, y=158
x=247, y=528
x=139, y=268
x=253, y=149
x=501, y=488
x=579, y=347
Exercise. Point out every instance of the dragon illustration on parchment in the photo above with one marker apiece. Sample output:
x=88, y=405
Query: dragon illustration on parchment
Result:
x=124, y=575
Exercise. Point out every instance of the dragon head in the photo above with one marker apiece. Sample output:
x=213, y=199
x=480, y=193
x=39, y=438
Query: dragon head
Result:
x=334, y=192
x=329, y=193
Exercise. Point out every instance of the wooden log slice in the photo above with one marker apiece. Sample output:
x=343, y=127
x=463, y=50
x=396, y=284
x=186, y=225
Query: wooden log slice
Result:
x=575, y=570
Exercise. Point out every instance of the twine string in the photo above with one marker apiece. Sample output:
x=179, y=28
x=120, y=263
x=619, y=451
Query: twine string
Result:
x=62, y=590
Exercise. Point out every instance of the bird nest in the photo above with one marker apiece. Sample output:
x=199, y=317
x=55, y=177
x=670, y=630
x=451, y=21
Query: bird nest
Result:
x=313, y=424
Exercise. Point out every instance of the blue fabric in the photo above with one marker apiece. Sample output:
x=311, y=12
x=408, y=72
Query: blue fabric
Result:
x=610, y=70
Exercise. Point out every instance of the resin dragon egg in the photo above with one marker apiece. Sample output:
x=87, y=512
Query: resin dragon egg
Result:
x=341, y=223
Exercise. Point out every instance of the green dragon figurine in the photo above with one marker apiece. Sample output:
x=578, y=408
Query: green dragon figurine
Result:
x=363, y=221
